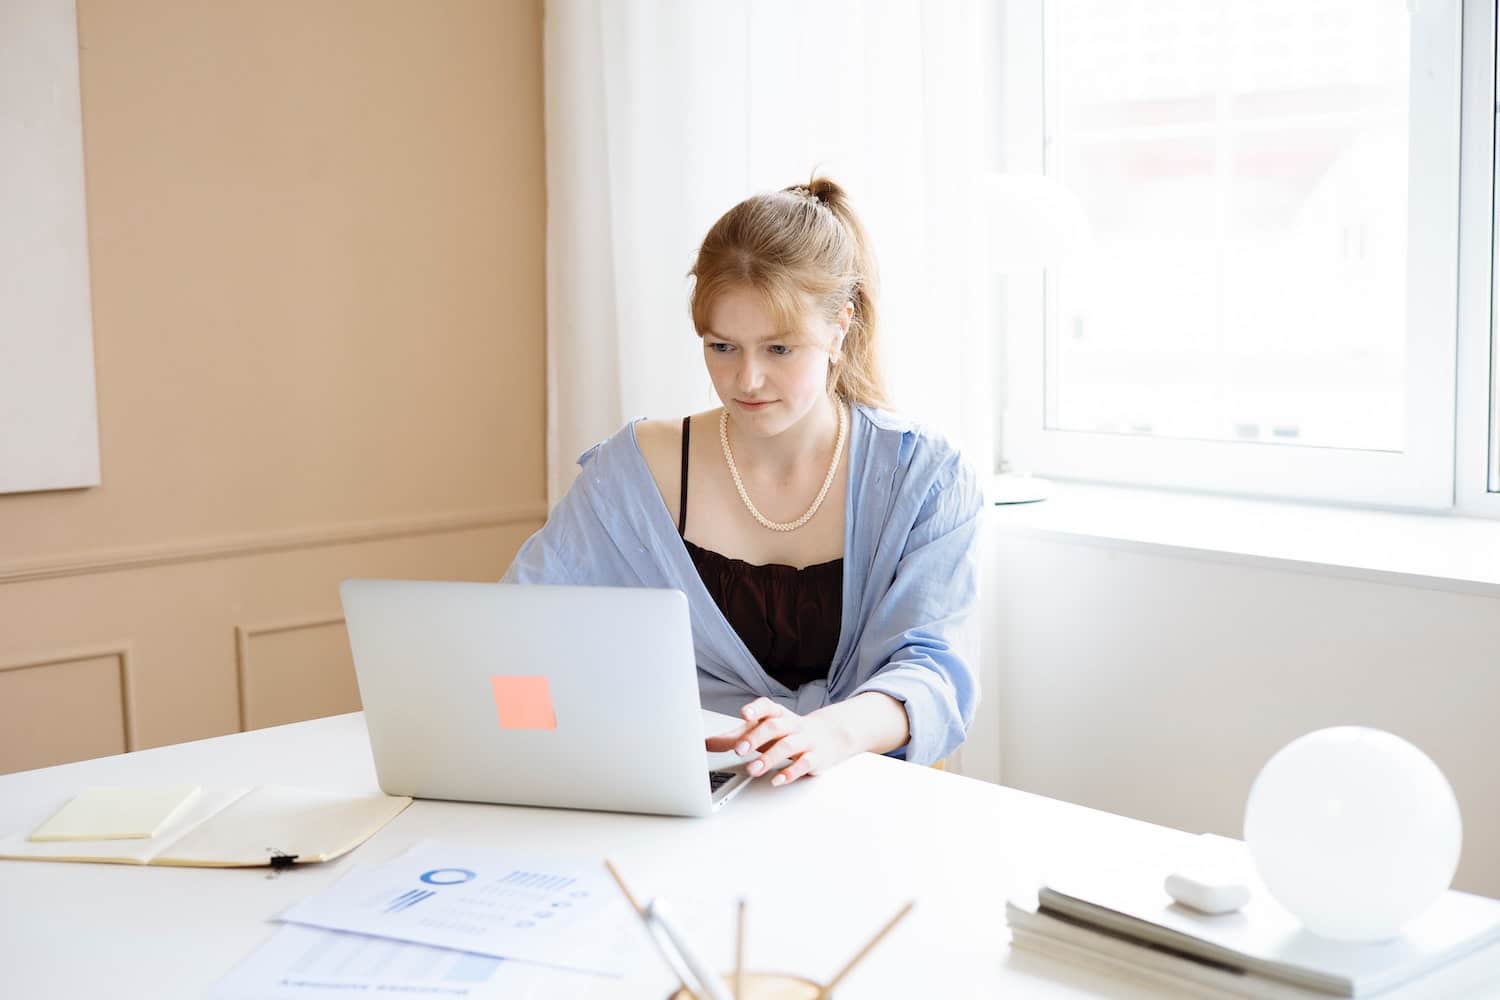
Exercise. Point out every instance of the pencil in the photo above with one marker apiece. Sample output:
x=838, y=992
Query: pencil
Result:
x=822, y=993
x=641, y=912
x=739, y=952
x=619, y=881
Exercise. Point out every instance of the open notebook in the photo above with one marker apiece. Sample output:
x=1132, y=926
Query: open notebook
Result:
x=230, y=828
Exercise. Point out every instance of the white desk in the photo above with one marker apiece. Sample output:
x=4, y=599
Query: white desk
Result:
x=824, y=862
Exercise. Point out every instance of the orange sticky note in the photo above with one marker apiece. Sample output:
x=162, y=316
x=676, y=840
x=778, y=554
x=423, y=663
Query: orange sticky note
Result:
x=523, y=702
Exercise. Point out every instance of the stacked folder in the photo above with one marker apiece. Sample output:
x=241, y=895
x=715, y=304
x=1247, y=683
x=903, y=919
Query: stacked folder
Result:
x=1118, y=915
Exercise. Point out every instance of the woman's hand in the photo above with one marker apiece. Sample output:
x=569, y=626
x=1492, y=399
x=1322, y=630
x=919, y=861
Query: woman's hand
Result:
x=813, y=743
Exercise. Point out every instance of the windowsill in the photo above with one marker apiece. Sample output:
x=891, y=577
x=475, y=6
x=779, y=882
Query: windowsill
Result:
x=1437, y=552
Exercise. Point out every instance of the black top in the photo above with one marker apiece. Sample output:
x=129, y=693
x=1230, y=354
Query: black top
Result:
x=788, y=618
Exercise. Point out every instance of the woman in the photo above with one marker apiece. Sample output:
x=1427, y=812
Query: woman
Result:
x=826, y=547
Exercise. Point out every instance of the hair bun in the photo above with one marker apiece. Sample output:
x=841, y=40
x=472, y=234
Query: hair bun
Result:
x=819, y=189
x=823, y=189
x=803, y=191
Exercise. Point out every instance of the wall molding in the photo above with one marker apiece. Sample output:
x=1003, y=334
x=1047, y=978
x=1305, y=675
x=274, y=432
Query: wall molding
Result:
x=145, y=557
x=122, y=654
x=242, y=636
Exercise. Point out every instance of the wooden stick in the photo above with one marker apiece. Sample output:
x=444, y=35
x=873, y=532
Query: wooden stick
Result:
x=641, y=912
x=822, y=993
x=739, y=952
x=619, y=881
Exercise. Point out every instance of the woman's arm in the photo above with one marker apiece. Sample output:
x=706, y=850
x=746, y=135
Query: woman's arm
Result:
x=551, y=554
x=919, y=690
x=872, y=721
x=915, y=645
x=545, y=557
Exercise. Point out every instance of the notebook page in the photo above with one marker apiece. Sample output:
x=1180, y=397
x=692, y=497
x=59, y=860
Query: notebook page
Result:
x=104, y=813
x=277, y=820
x=125, y=852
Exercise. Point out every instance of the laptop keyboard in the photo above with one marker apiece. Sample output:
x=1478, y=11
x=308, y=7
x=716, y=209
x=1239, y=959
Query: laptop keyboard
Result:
x=716, y=780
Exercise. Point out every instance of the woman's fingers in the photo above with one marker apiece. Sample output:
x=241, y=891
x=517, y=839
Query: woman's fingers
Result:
x=782, y=750
x=760, y=708
x=798, y=768
x=726, y=740
x=779, y=736
x=764, y=734
x=734, y=739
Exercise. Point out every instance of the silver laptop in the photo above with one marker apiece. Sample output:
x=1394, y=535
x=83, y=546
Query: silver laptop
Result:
x=575, y=697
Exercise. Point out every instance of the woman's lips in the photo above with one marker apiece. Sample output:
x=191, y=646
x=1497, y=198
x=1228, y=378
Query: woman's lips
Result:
x=754, y=406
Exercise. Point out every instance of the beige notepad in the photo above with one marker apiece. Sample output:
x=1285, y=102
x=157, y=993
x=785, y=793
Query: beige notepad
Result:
x=116, y=814
x=236, y=828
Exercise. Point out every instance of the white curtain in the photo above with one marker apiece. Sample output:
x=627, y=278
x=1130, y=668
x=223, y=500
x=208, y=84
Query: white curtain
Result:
x=661, y=115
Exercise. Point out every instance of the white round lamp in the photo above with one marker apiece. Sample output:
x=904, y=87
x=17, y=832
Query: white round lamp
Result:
x=1353, y=830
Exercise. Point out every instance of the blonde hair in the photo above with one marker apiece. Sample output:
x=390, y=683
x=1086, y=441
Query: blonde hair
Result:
x=801, y=239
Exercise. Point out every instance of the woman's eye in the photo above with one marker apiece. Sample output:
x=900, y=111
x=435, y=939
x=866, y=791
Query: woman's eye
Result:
x=780, y=349
x=719, y=348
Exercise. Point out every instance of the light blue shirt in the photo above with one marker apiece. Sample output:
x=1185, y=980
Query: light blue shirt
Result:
x=910, y=575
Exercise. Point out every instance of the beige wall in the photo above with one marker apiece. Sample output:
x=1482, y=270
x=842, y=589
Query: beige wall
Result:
x=316, y=238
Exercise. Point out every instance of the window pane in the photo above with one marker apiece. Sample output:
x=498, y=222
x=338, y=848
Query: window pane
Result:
x=1243, y=167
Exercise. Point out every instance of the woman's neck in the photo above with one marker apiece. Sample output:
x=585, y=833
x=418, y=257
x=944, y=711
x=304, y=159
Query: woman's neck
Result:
x=803, y=447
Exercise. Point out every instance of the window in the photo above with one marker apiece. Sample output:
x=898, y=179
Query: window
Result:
x=1251, y=271
x=1477, y=470
x=1489, y=96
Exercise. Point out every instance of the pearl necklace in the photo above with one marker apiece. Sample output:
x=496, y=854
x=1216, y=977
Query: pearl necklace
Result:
x=838, y=450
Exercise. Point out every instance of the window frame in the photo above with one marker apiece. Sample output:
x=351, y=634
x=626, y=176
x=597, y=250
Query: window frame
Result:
x=1477, y=465
x=1420, y=477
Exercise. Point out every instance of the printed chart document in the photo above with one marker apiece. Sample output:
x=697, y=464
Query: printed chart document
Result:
x=497, y=903
x=300, y=962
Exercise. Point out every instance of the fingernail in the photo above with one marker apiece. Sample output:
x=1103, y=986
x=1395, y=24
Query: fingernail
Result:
x=780, y=779
x=743, y=748
x=757, y=767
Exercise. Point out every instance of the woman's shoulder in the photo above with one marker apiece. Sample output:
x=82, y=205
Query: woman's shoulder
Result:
x=919, y=442
x=928, y=456
x=660, y=444
x=887, y=420
x=658, y=438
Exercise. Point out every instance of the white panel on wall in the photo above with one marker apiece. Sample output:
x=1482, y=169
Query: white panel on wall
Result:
x=1156, y=685
x=49, y=432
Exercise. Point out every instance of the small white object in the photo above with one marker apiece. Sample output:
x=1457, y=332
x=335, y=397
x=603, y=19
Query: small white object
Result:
x=1010, y=487
x=1353, y=830
x=709, y=986
x=1207, y=892
x=1213, y=876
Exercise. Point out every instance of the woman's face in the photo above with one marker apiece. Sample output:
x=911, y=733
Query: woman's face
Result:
x=768, y=378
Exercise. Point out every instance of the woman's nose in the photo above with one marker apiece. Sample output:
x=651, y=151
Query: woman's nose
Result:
x=749, y=376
